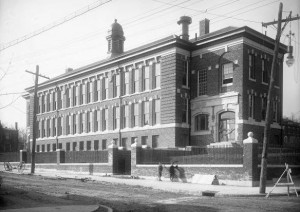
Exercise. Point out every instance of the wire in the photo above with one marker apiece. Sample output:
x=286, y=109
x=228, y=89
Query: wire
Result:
x=56, y=23
x=12, y=102
x=6, y=94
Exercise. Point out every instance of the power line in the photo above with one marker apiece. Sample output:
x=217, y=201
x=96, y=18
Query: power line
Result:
x=56, y=23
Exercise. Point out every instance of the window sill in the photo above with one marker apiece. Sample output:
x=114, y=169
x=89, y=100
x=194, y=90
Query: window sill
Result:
x=264, y=83
x=253, y=80
x=186, y=87
x=202, y=132
x=227, y=85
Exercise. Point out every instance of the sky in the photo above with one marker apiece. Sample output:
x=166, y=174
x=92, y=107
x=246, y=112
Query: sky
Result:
x=82, y=40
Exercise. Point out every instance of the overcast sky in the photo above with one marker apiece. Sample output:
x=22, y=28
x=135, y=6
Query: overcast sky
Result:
x=82, y=40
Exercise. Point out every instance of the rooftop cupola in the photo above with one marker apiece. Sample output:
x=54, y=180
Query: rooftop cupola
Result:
x=185, y=21
x=115, y=39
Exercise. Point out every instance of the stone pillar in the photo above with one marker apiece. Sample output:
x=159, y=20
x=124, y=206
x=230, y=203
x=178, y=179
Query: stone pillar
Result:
x=23, y=156
x=250, y=159
x=113, y=157
x=135, y=157
x=60, y=156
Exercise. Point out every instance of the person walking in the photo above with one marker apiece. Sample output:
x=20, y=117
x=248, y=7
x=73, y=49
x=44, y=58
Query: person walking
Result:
x=172, y=172
x=160, y=169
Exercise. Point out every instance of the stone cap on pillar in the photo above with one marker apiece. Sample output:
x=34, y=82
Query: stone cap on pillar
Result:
x=112, y=145
x=250, y=139
x=23, y=150
x=135, y=144
x=59, y=150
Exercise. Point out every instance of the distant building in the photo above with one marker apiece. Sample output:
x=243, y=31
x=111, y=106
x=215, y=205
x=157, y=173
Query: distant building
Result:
x=9, y=141
x=291, y=132
x=173, y=92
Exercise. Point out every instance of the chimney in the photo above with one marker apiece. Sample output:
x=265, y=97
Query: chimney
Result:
x=204, y=27
x=185, y=21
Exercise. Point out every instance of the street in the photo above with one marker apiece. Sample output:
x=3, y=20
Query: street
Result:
x=25, y=191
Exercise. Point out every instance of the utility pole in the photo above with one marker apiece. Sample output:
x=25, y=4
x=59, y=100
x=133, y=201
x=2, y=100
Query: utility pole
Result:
x=263, y=172
x=37, y=75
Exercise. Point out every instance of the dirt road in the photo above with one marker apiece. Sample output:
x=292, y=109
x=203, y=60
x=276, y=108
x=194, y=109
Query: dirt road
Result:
x=24, y=191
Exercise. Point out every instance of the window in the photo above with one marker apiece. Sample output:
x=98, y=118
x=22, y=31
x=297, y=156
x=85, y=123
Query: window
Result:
x=48, y=128
x=53, y=147
x=146, y=113
x=155, y=141
x=68, y=124
x=74, y=123
x=96, y=144
x=96, y=115
x=265, y=77
x=104, y=88
x=263, y=107
x=96, y=90
x=251, y=105
x=48, y=102
x=146, y=77
x=54, y=126
x=54, y=100
x=43, y=129
x=126, y=83
x=43, y=104
x=202, y=82
x=39, y=108
x=104, y=119
x=156, y=118
x=156, y=75
x=88, y=145
x=201, y=122
x=124, y=142
x=59, y=99
x=185, y=73
x=74, y=146
x=68, y=97
x=89, y=91
x=135, y=114
x=227, y=126
x=252, y=66
x=88, y=121
x=116, y=87
x=80, y=123
x=38, y=129
x=81, y=145
x=48, y=147
x=37, y=148
x=68, y=146
x=82, y=94
x=104, y=144
x=125, y=115
x=144, y=140
x=74, y=95
x=184, y=110
x=59, y=145
x=59, y=126
x=136, y=82
x=227, y=73
x=43, y=148
x=116, y=117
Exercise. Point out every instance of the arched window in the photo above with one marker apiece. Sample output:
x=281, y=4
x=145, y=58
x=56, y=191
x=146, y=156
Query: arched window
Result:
x=201, y=122
x=226, y=126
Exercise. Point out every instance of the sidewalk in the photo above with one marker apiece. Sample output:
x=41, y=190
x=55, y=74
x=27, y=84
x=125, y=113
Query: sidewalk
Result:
x=166, y=185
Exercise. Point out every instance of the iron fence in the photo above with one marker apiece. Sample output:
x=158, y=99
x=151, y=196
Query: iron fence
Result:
x=280, y=156
x=10, y=156
x=204, y=155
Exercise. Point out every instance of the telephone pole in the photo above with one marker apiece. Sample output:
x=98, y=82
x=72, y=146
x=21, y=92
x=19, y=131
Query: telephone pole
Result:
x=263, y=172
x=37, y=75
